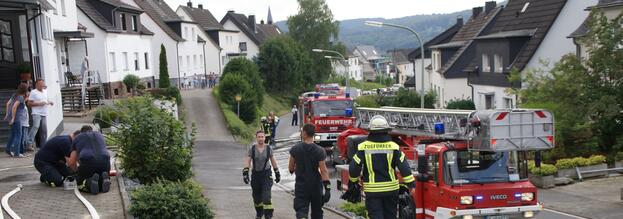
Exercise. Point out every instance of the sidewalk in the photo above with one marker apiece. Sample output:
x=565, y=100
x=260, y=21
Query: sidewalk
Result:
x=595, y=198
x=37, y=200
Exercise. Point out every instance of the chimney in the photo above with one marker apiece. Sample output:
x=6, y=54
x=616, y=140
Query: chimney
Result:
x=251, y=23
x=476, y=11
x=489, y=6
x=200, y=6
x=262, y=22
x=459, y=20
x=189, y=4
x=231, y=11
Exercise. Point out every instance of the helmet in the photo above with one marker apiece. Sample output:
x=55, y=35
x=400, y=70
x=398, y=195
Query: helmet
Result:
x=264, y=119
x=378, y=123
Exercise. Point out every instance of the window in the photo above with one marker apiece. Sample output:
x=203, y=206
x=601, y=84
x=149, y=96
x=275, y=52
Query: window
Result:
x=112, y=62
x=508, y=103
x=136, y=65
x=472, y=167
x=489, y=102
x=195, y=61
x=63, y=9
x=7, y=52
x=242, y=46
x=134, y=23
x=192, y=31
x=485, y=63
x=125, y=61
x=185, y=32
x=497, y=64
x=180, y=61
x=123, y=25
x=146, y=61
x=188, y=62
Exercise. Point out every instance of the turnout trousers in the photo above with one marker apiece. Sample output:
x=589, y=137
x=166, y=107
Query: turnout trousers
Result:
x=382, y=206
x=304, y=197
x=52, y=174
x=261, y=185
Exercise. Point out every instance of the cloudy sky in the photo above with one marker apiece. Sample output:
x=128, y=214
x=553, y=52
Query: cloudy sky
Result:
x=342, y=9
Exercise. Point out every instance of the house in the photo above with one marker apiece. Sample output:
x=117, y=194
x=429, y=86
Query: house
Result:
x=352, y=67
x=610, y=8
x=37, y=34
x=441, y=38
x=251, y=35
x=449, y=59
x=371, y=60
x=524, y=34
x=402, y=66
x=122, y=44
x=188, y=53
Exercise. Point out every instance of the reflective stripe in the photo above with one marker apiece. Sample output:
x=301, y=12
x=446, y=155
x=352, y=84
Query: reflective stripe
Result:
x=259, y=205
x=402, y=157
x=353, y=179
x=392, y=175
x=270, y=206
x=379, y=151
x=408, y=179
x=369, y=167
x=380, y=187
x=356, y=159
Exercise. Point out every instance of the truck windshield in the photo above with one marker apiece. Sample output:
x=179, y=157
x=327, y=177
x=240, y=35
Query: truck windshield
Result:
x=331, y=108
x=476, y=167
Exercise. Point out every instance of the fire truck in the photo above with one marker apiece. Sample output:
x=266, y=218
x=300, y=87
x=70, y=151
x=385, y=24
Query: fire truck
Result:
x=468, y=163
x=330, y=113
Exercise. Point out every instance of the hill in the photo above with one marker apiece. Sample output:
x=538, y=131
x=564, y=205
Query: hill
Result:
x=354, y=32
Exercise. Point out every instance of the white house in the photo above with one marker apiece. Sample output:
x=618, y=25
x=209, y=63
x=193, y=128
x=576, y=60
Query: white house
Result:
x=122, y=44
x=250, y=34
x=210, y=30
x=188, y=53
x=610, y=8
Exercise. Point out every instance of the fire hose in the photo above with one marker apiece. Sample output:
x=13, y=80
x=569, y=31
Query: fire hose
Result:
x=5, y=203
x=87, y=204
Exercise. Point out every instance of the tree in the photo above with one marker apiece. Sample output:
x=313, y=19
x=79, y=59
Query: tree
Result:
x=314, y=27
x=585, y=94
x=164, y=69
x=131, y=81
x=235, y=84
x=464, y=104
x=411, y=99
x=249, y=72
x=284, y=64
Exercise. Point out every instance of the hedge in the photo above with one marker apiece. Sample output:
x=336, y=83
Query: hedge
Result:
x=619, y=156
x=569, y=163
x=166, y=199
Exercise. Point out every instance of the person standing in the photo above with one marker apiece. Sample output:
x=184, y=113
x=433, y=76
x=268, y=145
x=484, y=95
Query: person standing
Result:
x=295, y=116
x=39, y=102
x=51, y=160
x=261, y=177
x=89, y=150
x=308, y=161
x=273, y=120
x=18, y=116
x=377, y=158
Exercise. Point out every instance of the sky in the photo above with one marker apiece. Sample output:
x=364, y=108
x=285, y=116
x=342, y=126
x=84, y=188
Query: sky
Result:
x=342, y=9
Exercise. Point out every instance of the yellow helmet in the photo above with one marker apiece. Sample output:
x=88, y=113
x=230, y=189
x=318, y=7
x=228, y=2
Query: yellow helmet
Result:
x=378, y=123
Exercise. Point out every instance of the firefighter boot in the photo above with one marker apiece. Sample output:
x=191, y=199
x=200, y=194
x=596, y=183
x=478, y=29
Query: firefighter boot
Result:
x=268, y=213
x=259, y=211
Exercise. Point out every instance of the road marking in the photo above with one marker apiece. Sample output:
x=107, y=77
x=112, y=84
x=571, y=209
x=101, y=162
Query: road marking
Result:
x=563, y=213
x=17, y=167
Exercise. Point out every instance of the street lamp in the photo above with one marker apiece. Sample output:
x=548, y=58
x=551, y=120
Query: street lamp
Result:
x=238, y=99
x=342, y=57
x=417, y=36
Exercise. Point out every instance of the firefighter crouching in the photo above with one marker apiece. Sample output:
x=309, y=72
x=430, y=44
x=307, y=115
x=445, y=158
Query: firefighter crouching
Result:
x=375, y=161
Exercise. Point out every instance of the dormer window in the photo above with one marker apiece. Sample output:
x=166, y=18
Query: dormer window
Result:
x=498, y=65
x=134, y=23
x=485, y=63
x=123, y=23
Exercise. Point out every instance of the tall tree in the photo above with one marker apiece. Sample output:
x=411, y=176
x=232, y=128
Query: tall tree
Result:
x=314, y=27
x=284, y=63
x=585, y=94
x=249, y=71
x=164, y=82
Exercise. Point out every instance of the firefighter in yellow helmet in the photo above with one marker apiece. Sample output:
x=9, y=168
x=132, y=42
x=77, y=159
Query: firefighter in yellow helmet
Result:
x=375, y=161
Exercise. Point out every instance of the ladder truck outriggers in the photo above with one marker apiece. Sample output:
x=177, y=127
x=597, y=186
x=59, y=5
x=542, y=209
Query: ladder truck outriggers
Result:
x=470, y=163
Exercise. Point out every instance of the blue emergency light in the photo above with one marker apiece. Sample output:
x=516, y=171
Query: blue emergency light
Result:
x=349, y=112
x=439, y=128
x=316, y=95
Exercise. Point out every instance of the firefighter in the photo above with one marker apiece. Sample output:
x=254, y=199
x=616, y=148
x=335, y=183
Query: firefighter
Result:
x=261, y=176
x=273, y=120
x=266, y=128
x=378, y=157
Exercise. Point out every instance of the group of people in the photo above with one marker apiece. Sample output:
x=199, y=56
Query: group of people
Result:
x=22, y=134
x=81, y=156
x=269, y=127
x=199, y=81
x=374, y=163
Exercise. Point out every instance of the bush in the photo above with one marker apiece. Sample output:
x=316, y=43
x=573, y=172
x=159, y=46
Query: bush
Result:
x=169, y=93
x=569, y=163
x=464, y=104
x=565, y=163
x=619, y=156
x=249, y=72
x=596, y=159
x=367, y=101
x=232, y=85
x=105, y=115
x=358, y=209
x=152, y=143
x=409, y=98
x=164, y=199
x=131, y=81
x=544, y=170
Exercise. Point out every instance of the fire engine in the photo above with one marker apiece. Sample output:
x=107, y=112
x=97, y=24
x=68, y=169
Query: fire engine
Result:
x=468, y=163
x=330, y=113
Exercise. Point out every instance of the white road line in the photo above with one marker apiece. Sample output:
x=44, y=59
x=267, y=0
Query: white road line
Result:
x=563, y=213
x=18, y=167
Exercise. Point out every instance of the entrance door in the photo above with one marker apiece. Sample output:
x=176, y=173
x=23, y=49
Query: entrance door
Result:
x=10, y=50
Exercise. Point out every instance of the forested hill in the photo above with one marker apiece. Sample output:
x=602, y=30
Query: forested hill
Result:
x=354, y=32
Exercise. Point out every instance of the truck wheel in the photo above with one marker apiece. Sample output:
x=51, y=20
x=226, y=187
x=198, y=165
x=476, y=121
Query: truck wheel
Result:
x=406, y=205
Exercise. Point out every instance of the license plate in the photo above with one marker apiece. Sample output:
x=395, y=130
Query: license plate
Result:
x=333, y=128
x=497, y=217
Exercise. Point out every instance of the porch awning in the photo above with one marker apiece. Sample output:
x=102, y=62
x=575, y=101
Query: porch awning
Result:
x=45, y=4
x=73, y=34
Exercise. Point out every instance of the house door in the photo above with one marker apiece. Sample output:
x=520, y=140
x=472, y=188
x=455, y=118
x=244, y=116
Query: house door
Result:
x=10, y=50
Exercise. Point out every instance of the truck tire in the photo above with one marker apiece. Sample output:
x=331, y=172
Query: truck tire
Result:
x=406, y=205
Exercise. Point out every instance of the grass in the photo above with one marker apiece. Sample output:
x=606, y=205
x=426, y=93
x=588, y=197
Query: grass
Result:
x=244, y=132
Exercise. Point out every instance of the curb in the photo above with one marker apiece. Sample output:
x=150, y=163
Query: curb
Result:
x=125, y=198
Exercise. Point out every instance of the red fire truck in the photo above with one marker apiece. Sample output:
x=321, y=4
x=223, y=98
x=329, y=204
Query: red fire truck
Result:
x=469, y=163
x=331, y=114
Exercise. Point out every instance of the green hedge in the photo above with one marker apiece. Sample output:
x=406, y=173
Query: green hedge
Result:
x=358, y=209
x=367, y=101
x=569, y=163
x=166, y=199
x=544, y=170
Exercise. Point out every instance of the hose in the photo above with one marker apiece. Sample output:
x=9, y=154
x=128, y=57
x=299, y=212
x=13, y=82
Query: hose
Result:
x=86, y=203
x=5, y=203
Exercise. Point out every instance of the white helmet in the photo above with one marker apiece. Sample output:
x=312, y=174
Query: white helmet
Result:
x=378, y=123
